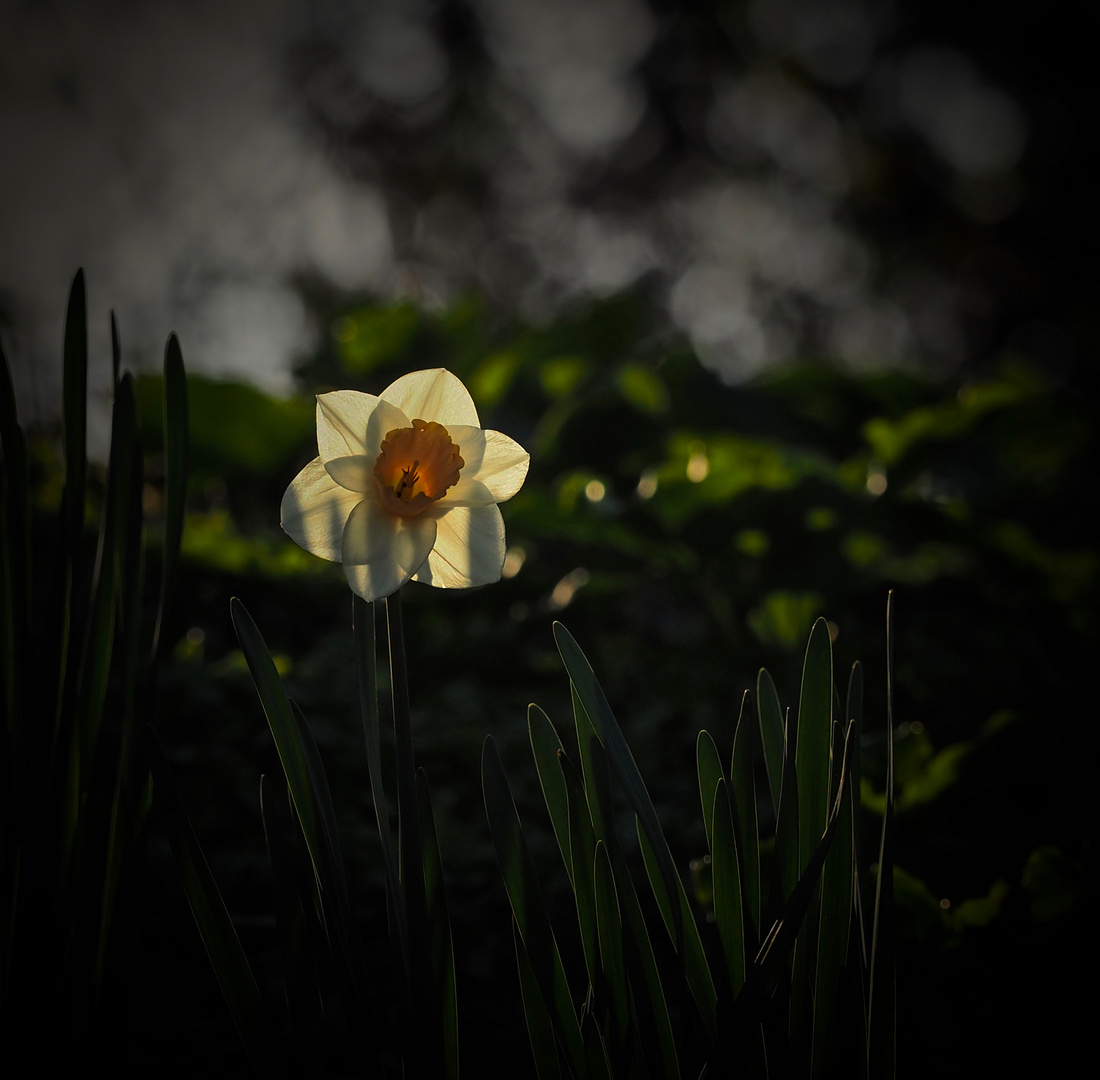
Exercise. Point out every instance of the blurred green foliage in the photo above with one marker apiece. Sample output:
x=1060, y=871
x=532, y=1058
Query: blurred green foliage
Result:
x=693, y=530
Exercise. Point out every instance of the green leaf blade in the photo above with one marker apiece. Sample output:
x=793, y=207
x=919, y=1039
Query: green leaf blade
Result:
x=746, y=825
x=215, y=927
x=772, y=734
x=727, y=890
x=708, y=766
x=546, y=749
x=814, y=734
x=284, y=729
x=528, y=908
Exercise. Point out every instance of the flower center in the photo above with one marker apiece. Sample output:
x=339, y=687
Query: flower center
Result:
x=416, y=467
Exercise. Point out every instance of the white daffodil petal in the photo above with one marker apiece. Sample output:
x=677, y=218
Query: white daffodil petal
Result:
x=383, y=420
x=503, y=468
x=354, y=473
x=315, y=509
x=471, y=445
x=381, y=552
x=468, y=493
x=469, y=549
x=342, y=422
x=433, y=395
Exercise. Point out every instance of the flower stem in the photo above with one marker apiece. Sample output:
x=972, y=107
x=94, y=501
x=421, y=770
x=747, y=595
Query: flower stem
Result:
x=364, y=632
x=409, y=835
x=408, y=819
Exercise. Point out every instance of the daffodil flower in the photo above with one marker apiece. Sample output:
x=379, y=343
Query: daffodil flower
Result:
x=405, y=486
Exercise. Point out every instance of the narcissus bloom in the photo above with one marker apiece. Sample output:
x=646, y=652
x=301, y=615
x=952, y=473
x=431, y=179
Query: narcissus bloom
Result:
x=405, y=486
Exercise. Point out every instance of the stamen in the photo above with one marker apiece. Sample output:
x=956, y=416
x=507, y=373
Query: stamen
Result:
x=408, y=489
x=408, y=478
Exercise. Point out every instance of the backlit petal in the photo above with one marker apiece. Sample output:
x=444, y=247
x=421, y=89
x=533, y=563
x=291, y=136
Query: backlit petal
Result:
x=433, y=395
x=471, y=445
x=381, y=551
x=469, y=549
x=503, y=466
x=315, y=509
x=468, y=493
x=353, y=473
x=383, y=420
x=342, y=423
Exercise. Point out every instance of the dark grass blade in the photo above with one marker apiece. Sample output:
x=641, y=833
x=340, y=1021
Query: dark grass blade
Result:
x=546, y=748
x=815, y=724
x=176, y=453
x=326, y=812
x=727, y=889
x=696, y=969
x=882, y=1006
x=116, y=355
x=301, y=935
x=130, y=549
x=666, y=883
x=284, y=728
x=215, y=927
x=618, y=1037
x=540, y=1028
x=765, y=971
x=854, y=714
x=131, y=771
x=74, y=414
x=708, y=766
x=312, y=802
x=581, y=848
x=746, y=826
x=785, y=857
x=340, y=924
x=329, y=864
x=619, y=755
x=309, y=793
x=772, y=734
x=837, y=881
x=15, y=568
x=595, y=793
x=812, y=755
x=649, y=999
x=594, y=770
x=65, y=587
x=99, y=636
x=74, y=429
x=444, y=1024
x=528, y=907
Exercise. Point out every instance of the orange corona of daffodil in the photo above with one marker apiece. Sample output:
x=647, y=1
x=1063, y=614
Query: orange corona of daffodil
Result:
x=405, y=486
